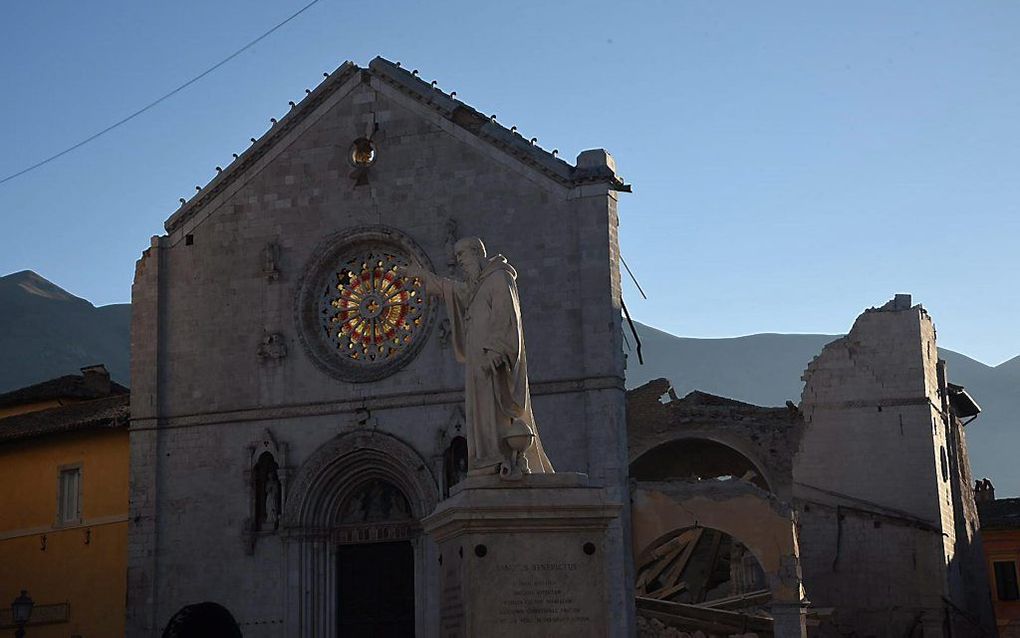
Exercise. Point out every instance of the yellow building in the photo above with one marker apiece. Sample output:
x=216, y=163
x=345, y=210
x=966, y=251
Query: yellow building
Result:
x=64, y=504
x=1000, y=533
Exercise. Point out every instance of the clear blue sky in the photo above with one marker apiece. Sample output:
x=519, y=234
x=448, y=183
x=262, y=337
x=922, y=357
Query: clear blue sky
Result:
x=793, y=163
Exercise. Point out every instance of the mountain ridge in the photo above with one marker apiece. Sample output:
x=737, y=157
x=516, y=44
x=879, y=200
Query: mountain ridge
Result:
x=46, y=332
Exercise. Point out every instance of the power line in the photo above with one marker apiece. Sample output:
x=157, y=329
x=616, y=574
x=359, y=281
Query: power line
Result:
x=158, y=101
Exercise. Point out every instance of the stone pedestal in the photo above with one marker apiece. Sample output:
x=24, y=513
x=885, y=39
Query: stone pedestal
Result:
x=524, y=558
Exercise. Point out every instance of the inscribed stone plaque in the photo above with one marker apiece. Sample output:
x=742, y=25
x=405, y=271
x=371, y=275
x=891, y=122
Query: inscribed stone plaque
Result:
x=524, y=558
x=524, y=583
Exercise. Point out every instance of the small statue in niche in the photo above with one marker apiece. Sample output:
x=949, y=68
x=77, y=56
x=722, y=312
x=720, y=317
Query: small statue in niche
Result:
x=271, y=261
x=272, y=501
x=267, y=493
x=455, y=463
x=272, y=346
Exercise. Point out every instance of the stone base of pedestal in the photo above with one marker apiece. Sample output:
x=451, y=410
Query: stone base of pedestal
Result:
x=524, y=558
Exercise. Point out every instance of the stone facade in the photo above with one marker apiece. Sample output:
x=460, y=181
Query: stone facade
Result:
x=219, y=358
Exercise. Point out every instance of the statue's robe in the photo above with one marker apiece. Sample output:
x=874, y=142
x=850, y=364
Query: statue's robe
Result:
x=487, y=318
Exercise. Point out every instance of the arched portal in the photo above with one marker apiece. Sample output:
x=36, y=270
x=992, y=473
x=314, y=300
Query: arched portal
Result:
x=354, y=544
x=698, y=458
x=202, y=620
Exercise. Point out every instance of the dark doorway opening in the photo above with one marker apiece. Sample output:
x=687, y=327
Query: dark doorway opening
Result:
x=375, y=590
x=202, y=620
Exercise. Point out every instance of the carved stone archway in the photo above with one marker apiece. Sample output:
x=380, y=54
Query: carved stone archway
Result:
x=314, y=526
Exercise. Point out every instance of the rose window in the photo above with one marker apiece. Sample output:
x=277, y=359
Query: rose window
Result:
x=372, y=310
x=360, y=316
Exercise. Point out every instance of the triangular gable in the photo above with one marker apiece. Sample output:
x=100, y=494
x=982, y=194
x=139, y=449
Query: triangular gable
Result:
x=344, y=79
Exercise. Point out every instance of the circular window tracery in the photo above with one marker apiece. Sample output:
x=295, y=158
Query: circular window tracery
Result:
x=373, y=309
x=361, y=316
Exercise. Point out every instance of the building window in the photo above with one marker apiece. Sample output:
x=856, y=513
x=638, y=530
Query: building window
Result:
x=1005, y=580
x=69, y=496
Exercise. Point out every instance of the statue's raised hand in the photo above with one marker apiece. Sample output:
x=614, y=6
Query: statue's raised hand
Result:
x=416, y=270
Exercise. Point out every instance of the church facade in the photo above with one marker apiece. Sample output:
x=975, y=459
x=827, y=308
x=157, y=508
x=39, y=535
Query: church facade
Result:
x=296, y=408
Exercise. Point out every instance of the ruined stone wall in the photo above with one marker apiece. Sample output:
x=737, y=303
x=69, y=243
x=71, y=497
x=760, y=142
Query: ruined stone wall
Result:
x=968, y=575
x=881, y=483
x=765, y=437
x=870, y=400
x=204, y=307
x=876, y=573
x=886, y=520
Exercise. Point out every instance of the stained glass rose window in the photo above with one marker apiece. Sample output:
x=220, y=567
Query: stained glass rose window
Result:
x=372, y=310
x=361, y=316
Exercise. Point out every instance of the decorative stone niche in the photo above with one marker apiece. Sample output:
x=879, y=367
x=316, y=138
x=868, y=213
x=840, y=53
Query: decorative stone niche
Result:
x=266, y=478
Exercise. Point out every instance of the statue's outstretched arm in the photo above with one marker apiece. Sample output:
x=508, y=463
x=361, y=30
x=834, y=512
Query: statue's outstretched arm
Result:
x=431, y=281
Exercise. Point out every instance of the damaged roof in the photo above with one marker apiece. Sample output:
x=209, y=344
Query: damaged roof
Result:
x=408, y=83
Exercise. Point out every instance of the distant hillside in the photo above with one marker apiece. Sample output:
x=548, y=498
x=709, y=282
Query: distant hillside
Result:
x=765, y=369
x=762, y=369
x=46, y=332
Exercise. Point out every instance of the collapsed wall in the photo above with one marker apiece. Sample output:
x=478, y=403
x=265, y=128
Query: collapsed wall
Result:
x=887, y=523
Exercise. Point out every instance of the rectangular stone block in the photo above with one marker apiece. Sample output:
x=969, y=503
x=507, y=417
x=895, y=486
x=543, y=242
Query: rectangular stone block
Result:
x=525, y=558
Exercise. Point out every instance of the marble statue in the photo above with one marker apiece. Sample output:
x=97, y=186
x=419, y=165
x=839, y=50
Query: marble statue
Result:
x=272, y=500
x=485, y=320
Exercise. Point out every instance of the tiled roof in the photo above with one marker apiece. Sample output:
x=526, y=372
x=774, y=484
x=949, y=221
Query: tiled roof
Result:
x=72, y=386
x=1002, y=513
x=108, y=412
x=485, y=127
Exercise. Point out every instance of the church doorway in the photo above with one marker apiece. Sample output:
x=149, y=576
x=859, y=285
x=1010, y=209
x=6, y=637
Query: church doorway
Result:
x=375, y=590
x=352, y=531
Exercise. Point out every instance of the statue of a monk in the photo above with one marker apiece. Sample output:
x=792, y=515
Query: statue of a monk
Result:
x=485, y=321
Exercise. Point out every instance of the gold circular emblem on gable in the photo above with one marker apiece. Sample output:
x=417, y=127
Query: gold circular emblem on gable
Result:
x=363, y=152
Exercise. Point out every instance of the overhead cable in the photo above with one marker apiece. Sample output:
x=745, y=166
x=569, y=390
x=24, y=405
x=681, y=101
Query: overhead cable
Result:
x=161, y=99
